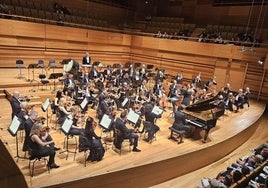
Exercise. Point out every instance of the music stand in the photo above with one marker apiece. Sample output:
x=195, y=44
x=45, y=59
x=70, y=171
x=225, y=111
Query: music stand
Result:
x=133, y=117
x=13, y=129
x=65, y=128
x=31, y=66
x=157, y=110
x=45, y=106
x=83, y=104
x=106, y=122
x=55, y=76
x=125, y=101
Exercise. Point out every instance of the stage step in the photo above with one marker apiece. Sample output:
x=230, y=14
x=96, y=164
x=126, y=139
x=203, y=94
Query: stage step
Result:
x=2, y=94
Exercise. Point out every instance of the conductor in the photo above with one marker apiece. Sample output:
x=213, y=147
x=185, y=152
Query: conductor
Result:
x=86, y=59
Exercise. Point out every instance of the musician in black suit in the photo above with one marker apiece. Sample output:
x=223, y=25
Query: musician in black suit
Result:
x=85, y=79
x=104, y=106
x=180, y=121
x=107, y=73
x=15, y=103
x=69, y=85
x=239, y=100
x=86, y=59
x=93, y=73
x=143, y=72
x=151, y=117
x=27, y=127
x=229, y=101
x=120, y=124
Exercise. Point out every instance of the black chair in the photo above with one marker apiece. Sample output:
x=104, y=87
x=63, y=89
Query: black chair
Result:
x=19, y=65
x=119, y=140
x=150, y=66
x=179, y=133
x=33, y=160
x=127, y=64
x=83, y=147
x=43, y=80
x=147, y=126
x=137, y=65
x=40, y=64
x=67, y=144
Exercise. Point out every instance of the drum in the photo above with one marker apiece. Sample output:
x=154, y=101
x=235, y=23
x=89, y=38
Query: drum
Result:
x=68, y=67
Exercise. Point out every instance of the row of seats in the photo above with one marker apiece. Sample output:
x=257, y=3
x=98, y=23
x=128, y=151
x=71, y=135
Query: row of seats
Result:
x=240, y=172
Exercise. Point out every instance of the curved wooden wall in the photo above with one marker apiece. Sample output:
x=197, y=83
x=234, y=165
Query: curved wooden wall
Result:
x=33, y=41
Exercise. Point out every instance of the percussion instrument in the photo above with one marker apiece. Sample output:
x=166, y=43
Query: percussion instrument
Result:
x=67, y=67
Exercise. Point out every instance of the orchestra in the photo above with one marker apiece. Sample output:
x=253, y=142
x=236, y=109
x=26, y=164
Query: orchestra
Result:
x=132, y=88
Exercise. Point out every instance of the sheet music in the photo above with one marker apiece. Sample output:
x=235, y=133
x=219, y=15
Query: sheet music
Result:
x=105, y=121
x=14, y=126
x=84, y=103
x=133, y=116
x=66, y=126
x=157, y=110
x=125, y=102
x=45, y=105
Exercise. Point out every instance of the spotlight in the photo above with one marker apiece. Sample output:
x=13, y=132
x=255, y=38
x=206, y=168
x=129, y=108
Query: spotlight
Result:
x=261, y=61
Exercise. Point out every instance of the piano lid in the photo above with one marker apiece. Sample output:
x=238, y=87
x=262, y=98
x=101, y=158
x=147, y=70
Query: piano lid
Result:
x=202, y=105
x=205, y=115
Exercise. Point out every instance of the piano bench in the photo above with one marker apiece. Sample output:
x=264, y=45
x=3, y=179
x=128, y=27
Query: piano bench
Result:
x=179, y=133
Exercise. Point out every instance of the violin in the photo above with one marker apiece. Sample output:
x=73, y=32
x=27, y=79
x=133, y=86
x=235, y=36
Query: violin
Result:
x=44, y=130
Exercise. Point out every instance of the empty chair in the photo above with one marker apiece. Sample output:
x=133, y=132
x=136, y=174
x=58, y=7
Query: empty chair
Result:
x=19, y=65
x=43, y=80
x=40, y=64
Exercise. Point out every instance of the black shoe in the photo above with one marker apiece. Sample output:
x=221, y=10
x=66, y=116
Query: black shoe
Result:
x=54, y=165
x=56, y=149
x=136, y=150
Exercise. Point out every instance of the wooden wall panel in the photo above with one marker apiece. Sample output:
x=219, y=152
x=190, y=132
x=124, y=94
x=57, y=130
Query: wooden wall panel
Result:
x=51, y=41
x=237, y=74
x=266, y=62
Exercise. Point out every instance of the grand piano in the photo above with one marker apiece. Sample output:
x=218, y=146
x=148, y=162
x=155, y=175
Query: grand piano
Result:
x=203, y=115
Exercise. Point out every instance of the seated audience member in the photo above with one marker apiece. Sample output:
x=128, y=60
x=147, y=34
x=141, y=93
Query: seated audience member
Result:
x=262, y=150
x=39, y=148
x=120, y=124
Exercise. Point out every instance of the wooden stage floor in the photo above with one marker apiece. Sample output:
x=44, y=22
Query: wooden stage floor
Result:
x=162, y=150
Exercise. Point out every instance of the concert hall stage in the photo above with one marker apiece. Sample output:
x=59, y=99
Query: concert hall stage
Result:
x=158, y=162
